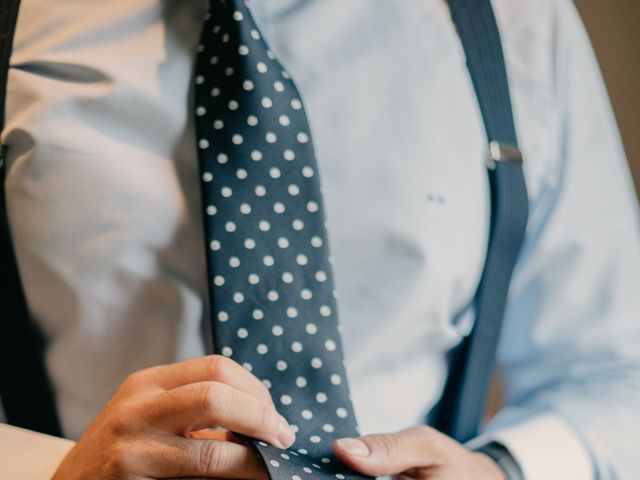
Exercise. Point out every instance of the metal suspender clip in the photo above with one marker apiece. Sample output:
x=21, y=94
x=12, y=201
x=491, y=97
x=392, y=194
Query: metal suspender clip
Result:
x=502, y=152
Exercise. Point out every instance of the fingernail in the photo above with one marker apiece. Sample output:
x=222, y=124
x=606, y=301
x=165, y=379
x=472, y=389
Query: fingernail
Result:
x=354, y=447
x=286, y=436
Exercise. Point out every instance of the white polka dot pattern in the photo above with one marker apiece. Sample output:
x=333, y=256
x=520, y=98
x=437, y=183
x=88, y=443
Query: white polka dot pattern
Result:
x=271, y=287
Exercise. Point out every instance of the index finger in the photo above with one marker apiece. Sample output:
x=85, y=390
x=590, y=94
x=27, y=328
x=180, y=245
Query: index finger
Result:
x=211, y=368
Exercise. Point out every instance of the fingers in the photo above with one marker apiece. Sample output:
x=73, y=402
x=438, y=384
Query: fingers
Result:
x=214, y=404
x=189, y=458
x=212, y=368
x=209, y=434
x=392, y=454
x=149, y=428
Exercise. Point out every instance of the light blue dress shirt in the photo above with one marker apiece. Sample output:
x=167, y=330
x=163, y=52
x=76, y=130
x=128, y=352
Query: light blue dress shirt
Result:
x=104, y=205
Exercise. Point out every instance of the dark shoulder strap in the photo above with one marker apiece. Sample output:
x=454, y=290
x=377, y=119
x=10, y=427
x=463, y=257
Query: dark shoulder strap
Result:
x=24, y=387
x=8, y=18
x=462, y=406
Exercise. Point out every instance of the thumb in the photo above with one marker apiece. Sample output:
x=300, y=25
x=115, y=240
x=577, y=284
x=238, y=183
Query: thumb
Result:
x=391, y=454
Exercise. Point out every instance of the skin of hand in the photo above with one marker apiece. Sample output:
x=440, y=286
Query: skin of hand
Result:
x=155, y=425
x=419, y=453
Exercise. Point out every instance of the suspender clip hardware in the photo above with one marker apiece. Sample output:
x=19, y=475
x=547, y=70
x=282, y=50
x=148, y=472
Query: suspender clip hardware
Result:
x=503, y=152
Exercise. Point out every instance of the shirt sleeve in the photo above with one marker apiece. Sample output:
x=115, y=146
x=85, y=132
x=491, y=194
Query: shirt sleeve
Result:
x=570, y=349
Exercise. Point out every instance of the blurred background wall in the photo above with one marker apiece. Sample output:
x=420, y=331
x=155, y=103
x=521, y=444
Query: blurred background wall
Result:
x=614, y=27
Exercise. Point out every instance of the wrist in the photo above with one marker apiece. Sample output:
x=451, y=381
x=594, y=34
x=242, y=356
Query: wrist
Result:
x=502, y=460
x=491, y=470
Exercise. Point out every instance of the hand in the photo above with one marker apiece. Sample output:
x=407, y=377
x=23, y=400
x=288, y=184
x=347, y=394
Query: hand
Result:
x=153, y=426
x=419, y=453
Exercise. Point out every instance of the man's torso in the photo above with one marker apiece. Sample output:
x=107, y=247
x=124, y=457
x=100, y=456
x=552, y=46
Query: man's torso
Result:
x=104, y=198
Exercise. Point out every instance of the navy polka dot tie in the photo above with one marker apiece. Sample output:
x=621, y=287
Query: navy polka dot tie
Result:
x=272, y=297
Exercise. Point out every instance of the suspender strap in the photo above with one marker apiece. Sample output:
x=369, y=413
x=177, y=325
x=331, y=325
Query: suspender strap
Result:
x=24, y=387
x=463, y=402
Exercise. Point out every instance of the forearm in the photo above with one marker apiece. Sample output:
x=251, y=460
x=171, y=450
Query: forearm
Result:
x=25, y=454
